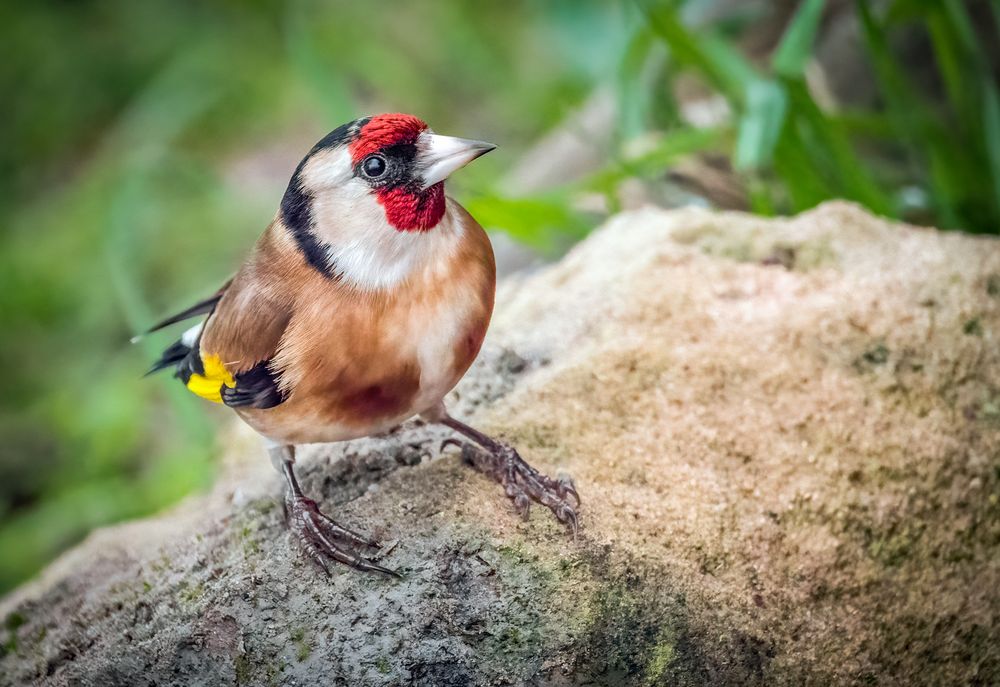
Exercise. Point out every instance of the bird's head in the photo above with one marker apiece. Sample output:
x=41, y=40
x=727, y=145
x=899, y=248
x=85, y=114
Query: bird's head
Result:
x=393, y=160
x=371, y=179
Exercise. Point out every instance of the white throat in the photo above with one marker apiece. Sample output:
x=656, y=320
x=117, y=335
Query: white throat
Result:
x=383, y=256
x=371, y=255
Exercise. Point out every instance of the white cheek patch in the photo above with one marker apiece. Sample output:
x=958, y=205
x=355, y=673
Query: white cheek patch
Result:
x=363, y=249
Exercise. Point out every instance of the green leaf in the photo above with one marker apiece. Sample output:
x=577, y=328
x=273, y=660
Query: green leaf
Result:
x=991, y=131
x=895, y=89
x=543, y=222
x=962, y=25
x=798, y=170
x=830, y=151
x=925, y=140
x=796, y=45
x=955, y=52
x=634, y=94
x=760, y=125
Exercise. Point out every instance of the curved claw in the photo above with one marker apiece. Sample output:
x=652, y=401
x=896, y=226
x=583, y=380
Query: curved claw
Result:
x=317, y=558
x=522, y=483
x=566, y=515
x=567, y=487
x=316, y=531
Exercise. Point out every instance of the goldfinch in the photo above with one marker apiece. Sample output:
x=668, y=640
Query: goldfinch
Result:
x=362, y=305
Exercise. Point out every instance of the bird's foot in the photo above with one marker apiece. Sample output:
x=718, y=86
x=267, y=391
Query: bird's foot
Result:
x=322, y=537
x=522, y=483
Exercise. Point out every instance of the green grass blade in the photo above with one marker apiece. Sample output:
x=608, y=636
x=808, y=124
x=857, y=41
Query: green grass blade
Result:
x=796, y=45
x=991, y=130
x=962, y=25
x=960, y=63
x=894, y=87
x=924, y=140
x=761, y=124
x=833, y=151
x=631, y=88
x=803, y=179
x=676, y=144
x=721, y=64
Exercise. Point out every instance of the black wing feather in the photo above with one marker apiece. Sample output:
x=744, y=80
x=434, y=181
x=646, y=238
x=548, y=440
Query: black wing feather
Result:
x=172, y=356
x=202, y=307
x=257, y=388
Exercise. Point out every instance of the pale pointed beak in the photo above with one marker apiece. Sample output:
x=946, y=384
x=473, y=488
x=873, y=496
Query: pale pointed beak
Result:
x=439, y=156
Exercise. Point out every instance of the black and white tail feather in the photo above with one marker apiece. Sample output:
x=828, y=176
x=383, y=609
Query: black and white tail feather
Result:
x=257, y=387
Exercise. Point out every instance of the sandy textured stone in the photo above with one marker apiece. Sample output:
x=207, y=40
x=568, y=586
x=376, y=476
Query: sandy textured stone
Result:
x=786, y=434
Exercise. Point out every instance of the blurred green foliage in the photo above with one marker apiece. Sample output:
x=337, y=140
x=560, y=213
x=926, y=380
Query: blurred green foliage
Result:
x=122, y=195
x=919, y=153
x=143, y=144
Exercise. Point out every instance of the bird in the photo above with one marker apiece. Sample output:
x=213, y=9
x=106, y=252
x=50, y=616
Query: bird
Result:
x=362, y=304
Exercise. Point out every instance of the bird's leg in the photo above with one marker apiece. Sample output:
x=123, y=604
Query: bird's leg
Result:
x=317, y=532
x=522, y=483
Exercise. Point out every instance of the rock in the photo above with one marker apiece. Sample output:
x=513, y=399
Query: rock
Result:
x=786, y=434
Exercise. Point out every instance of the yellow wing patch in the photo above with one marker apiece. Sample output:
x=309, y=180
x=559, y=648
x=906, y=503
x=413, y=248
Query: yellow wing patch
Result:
x=209, y=385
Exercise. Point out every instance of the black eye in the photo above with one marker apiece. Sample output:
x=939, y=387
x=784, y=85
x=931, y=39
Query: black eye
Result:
x=373, y=166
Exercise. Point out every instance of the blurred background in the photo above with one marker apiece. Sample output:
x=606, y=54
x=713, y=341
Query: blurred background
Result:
x=145, y=145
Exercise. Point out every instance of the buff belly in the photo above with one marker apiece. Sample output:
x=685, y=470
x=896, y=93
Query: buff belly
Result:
x=378, y=371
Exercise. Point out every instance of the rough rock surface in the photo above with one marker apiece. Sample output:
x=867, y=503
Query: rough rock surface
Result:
x=787, y=438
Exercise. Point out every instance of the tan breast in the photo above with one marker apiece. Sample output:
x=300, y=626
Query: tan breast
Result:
x=358, y=363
